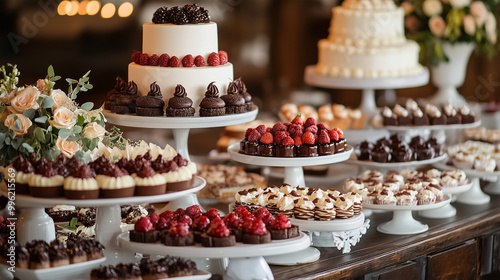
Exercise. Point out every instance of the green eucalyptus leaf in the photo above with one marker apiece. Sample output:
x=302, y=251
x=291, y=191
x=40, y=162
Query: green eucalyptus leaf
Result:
x=55, y=78
x=41, y=119
x=2, y=138
x=15, y=144
x=73, y=137
x=28, y=148
x=87, y=106
x=93, y=143
x=47, y=102
x=50, y=71
x=89, y=86
x=17, y=124
x=30, y=113
x=64, y=133
x=40, y=136
x=7, y=141
x=80, y=120
x=77, y=129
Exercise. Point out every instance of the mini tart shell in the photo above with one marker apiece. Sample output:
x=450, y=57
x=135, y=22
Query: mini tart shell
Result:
x=81, y=188
x=40, y=186
x=153, y=185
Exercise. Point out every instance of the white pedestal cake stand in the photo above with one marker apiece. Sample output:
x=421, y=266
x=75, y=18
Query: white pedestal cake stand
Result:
x=402, y=222
x=294, y=175
x=368, y=164
x=245, y=260
x=34, y=223
x=447, y=211
x=475, y=195
x=368, y=85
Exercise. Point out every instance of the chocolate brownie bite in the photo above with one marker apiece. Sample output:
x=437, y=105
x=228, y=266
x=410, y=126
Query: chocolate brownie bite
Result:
x=178, y=235
x=282, y=228
x=436, y=117
x=425, y=151
x=363, y=150
x=62, y=213
x=178, y=267
x=152, y=104
x=22, y=256
x=287, y=148
x=419, y=118
x=380, y=153
x=104, y=273
x=144, y=231
x=211, y=105
x=152, y=270
x=466, y=114
x=129, y=271
x=438, y=147
x=235, y=102
x=403, y=116
x=93, y=248
x=452, y=117
x=180, y=105
x=255, y=232
x=242, y=89
x=217, y=235
x=401, y=153
x=200, y=225
x=58, y=254
x=39, y=254
x=388, y=117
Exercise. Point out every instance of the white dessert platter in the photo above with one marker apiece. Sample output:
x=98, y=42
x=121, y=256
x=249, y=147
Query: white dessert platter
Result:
x=396, y=128
x=402, y=222
x=447, y=211
x=245, y=260
x=34, y=223
x=367, y=85
x=475, y=195
x=294, y=175
x=71, y=271
x=394, y=165
x=180, y=125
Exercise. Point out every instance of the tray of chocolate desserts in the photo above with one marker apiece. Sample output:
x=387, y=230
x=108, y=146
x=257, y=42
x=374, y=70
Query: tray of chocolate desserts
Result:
x=146, y=178
x=166, y=267
x=191, y=232
x=396, y=152
x=428, y=116
x=406, y=189
x=55, y=260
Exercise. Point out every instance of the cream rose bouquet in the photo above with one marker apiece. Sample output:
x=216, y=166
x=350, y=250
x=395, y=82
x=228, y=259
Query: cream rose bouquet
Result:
x=431, y=22
x=46, y=121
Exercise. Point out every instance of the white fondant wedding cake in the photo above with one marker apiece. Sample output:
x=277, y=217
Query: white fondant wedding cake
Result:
x=367, y=40
x=180, y=40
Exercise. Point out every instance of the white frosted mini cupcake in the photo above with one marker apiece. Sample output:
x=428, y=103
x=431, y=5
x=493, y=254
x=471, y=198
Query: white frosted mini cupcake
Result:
x=304, y=209
x=115, y=183
x=386, y=197
x=406, y=198
x=46, y=182
x=148, y=182
x=426, y=196
x=81, y=184
x=324, y=209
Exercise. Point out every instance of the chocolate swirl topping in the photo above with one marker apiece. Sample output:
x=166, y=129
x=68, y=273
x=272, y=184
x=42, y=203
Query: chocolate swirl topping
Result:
x=180, y=91
x=132, y=88
x=180, y=99
x=22, y=165
x=84, y=172
x=154, y=90
x=232, y=98
x=120, y=84
x=242, y=89
x=212, y=90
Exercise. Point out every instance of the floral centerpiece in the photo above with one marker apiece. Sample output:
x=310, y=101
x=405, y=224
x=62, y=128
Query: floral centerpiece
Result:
x=432, y=22
x=47, y=121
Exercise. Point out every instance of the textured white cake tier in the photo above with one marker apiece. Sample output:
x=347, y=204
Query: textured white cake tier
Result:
x=194, y=79
x=372, y=62
x=180, y=40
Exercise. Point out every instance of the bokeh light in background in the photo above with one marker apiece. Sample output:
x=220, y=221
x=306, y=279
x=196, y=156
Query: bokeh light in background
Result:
x=125, y=9
x=93, y=7
x=108, y=10
x=82, y=8
x=72, y=8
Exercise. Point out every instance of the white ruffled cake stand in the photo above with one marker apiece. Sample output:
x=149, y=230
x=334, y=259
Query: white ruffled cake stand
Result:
x=34, y=223
x=246, y=261
x=367, y=85
x=402, y=222
x=447, y=211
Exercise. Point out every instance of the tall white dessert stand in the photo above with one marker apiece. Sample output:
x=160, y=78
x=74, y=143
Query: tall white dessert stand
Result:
x=246, y=261
x=180, y=127
x=384, y=166
x=447, y=211
x=367, y=85
x=402, y=222
x=34, y=223
x=475, y=195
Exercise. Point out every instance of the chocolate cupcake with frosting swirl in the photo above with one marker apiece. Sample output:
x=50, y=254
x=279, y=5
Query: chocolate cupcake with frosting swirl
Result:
x=180, y=105
x=242, y=90
x=235, y=102
x=151, y=104
x=211, y=105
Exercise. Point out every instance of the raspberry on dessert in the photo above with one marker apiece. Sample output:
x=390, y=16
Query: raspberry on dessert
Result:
x=334, y=135
x=339, y=131
x=136, y=57
x=168, y=215
x=218, y=235
x=288, y=141
x=181, y=229
x=232, y=220
x=212, y=213
x=161, y=224
x=309, y=121
x=256, y=232
x=144, y=59
x=297, y=141
x=188, y=61
x=279, y=136
x=174, y=62
x=267, y=138
x=281, y=222
x=254, y=136
x=298, y=120
x=154, y=217
x=213, y=59
x=154, y=60
x=144, y=224
x=201, y=223
x=223, y=57
x=242, y=211
x=199, y=61
x=295, y=130
x=218, y=230
x=312, y=128
x=171, y=223
x=247, y=132
x=178, y=235
x=324, y=137
x=261, y=129
x=144, y=231
x=309, y=138
x=282, y=228
x=264, y=215
x=164, y=60
x=194, y=211
x=278, y=127
x=185, y=219
x=180, y=211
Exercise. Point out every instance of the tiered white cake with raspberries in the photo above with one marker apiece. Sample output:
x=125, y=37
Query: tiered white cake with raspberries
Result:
x=180, y=46
x=367, y=40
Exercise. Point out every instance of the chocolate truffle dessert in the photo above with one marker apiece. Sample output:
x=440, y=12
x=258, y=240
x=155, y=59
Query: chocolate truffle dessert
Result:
x=380, y=153
x=151, y=104
x=401, y=153
x=211, y=105
x=425, y=151
x=126, y=103
x=104, y=273
x=242, y=89
x=235, y=102
x=81, y=184
x=180, y=105
x=152, y=270
x=363, y=150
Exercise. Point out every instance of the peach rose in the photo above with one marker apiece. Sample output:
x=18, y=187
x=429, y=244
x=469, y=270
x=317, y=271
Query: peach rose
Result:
x=412, y=23
x=437, y=26
x=67, y=148
x=63, y=118
x=7, y=98
x=60, y=99
x=24, y=100
x=407, y=7
x=432, y=7
x=94, y=130
x=10, y=121
x=469, y=25
x=479, y=12
x=459, y=4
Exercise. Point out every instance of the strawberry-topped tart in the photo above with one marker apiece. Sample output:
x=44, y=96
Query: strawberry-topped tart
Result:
x=294, y=139
x=281, y=228
x=218, y=235
x=255, y=232
x=178, y=235
x=144, y=231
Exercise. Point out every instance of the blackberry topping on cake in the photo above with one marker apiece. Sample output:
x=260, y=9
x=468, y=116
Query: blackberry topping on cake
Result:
x=190, y=13
x=180, y=105
x=151, y=104
x=211, y=104
x=196, y=14
x=235, y=102
x=160, y=15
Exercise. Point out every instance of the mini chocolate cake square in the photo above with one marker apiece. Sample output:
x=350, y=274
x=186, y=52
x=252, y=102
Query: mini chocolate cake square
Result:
x=340, y=145
x=468, y=119
x=390, y=121
x=405, y=121
x=177, y=240
x=144, y=237
x=438, y=120
x=285, y=151
x=326, y=149
x=456, y=119
x=149, y=112
x=421, y=121
x=308, y=150
x=213, y=241
x=279, y=234
x=251, y=147
x=266, y=150
x=249, y=238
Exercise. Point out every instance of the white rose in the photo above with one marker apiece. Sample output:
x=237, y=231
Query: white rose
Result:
x=24, y=100
x=60, y=99
x=67, y=148
x=63, y=118
x=490, y=25
x=437, y=26
x=93, y=130
x=432, y=7
x=469, y=25
x=10, y=121
x=479, y=12
x=459, y=4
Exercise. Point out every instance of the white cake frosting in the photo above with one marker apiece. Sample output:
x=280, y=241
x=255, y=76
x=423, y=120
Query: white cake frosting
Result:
x=180, y=40
x=366, y=39
x=80, y=184
x=109, y=183
x=37, y=180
